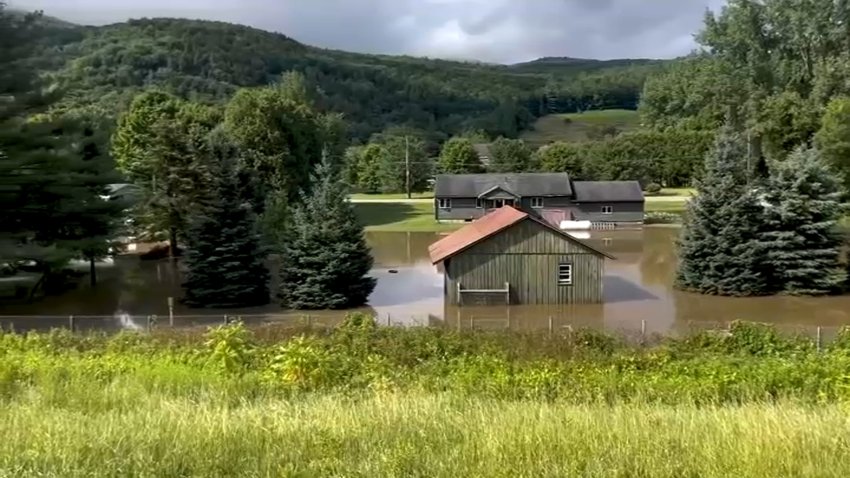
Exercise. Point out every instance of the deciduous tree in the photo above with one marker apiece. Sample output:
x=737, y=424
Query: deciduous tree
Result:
x=833, y=139
x=459, y=157
x=158, y=145
x=281, y=135
x=510, y=156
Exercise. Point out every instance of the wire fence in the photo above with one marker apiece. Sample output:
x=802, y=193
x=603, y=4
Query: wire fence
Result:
x=638, y=331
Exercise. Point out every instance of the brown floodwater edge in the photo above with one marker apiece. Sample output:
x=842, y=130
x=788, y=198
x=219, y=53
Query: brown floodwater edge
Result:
x=638, y=296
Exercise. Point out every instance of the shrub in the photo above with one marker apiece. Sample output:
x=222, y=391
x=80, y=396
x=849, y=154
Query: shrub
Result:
x=661, y=218
x=230, y=347
x=653, y=188
x=305, y=363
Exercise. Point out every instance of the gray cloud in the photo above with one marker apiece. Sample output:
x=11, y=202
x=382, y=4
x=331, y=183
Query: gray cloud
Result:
x=502, y=31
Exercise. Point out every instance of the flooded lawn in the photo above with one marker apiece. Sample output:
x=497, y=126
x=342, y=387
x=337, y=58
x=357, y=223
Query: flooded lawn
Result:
x=638, y=294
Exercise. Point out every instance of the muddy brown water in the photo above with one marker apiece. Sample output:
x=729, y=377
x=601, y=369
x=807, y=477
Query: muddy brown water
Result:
x=638, y=296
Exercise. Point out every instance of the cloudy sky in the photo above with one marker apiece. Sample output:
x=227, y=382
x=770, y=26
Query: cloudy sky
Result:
x=503, y=31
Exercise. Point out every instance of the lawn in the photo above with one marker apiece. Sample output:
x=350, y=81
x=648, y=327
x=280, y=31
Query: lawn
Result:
x=676, y=192
x=390, y=216
x=677, y=207
x=575, y=126
x=424, y=195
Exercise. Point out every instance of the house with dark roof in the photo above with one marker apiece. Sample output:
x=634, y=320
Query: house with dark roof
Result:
x=554, y=197
x=512, y=257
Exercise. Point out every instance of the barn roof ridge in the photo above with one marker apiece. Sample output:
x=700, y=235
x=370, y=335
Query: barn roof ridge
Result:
x=488, y=226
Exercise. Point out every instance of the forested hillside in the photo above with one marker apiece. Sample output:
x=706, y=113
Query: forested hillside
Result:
x=102, y=68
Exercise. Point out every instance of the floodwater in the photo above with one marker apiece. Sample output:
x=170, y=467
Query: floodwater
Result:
x=638, y=296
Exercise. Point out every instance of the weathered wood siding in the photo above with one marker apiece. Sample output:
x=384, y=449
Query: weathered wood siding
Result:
x=527, y=256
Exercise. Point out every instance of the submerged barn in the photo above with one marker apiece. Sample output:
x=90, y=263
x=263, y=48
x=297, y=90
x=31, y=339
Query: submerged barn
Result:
x=510, y=256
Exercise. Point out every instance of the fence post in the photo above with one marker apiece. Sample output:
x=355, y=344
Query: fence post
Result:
x=551, y=325
x=72, y=324
x=819, y=339
x=225, y=319
x=643, y=331
x=389, y=320
x=171, y=311
x=471, y=322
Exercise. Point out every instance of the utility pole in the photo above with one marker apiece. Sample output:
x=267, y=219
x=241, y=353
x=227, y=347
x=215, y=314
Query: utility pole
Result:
x=407, y=165
x=749, y=153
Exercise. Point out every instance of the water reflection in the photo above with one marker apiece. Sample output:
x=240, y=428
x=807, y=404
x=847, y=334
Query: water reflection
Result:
x=637, y=289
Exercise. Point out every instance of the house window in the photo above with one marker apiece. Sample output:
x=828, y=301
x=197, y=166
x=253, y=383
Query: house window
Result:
x=537, y=203
x=444, y=203
x=565, y=273
x=607, y=209
x=479, y=203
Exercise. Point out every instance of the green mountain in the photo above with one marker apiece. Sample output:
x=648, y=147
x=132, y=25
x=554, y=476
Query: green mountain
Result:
x=102, y=68
x=568, y=65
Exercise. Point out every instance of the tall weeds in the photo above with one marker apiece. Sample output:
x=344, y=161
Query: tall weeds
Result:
x=367, y=401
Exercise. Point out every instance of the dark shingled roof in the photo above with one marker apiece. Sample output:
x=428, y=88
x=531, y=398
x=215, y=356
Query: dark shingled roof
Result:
x=608, y=191
x=524, y=184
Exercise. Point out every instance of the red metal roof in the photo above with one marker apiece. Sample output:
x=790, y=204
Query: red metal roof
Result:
x=477, y=231
x=488, y=226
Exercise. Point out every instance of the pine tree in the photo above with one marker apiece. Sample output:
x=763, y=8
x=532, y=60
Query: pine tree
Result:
x=326, y=260
x=803, y=213
x=721, y=250
x=91, y=217
x=225, y=258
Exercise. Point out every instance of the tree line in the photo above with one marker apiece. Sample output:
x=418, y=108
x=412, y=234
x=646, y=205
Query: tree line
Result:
x=778, y=67
x=259, y=176
x=672, y=158
x=103, y=68
x=772, y=78
x=232, y=185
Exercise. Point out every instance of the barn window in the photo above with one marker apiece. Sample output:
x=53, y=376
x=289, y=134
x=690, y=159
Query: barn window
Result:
x=537, y=203
x=607, y=209
x=479, y=203
x=444, y=203
x=565, y=273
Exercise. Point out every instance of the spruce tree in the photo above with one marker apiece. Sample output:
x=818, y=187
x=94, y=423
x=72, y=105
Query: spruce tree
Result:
x=804, y=207
x=225, y=258
x=721, y=250
x=326, y=260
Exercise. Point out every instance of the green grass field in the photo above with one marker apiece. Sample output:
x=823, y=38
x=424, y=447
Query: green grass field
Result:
x=404, y=217
x=556, y=127
x=425, y=195
x=364, y=401
x=404, y=435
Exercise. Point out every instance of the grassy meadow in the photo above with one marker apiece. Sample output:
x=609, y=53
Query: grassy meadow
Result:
x=574, y=127
x=359, y=400
x=403, y=435
x=392, y=196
